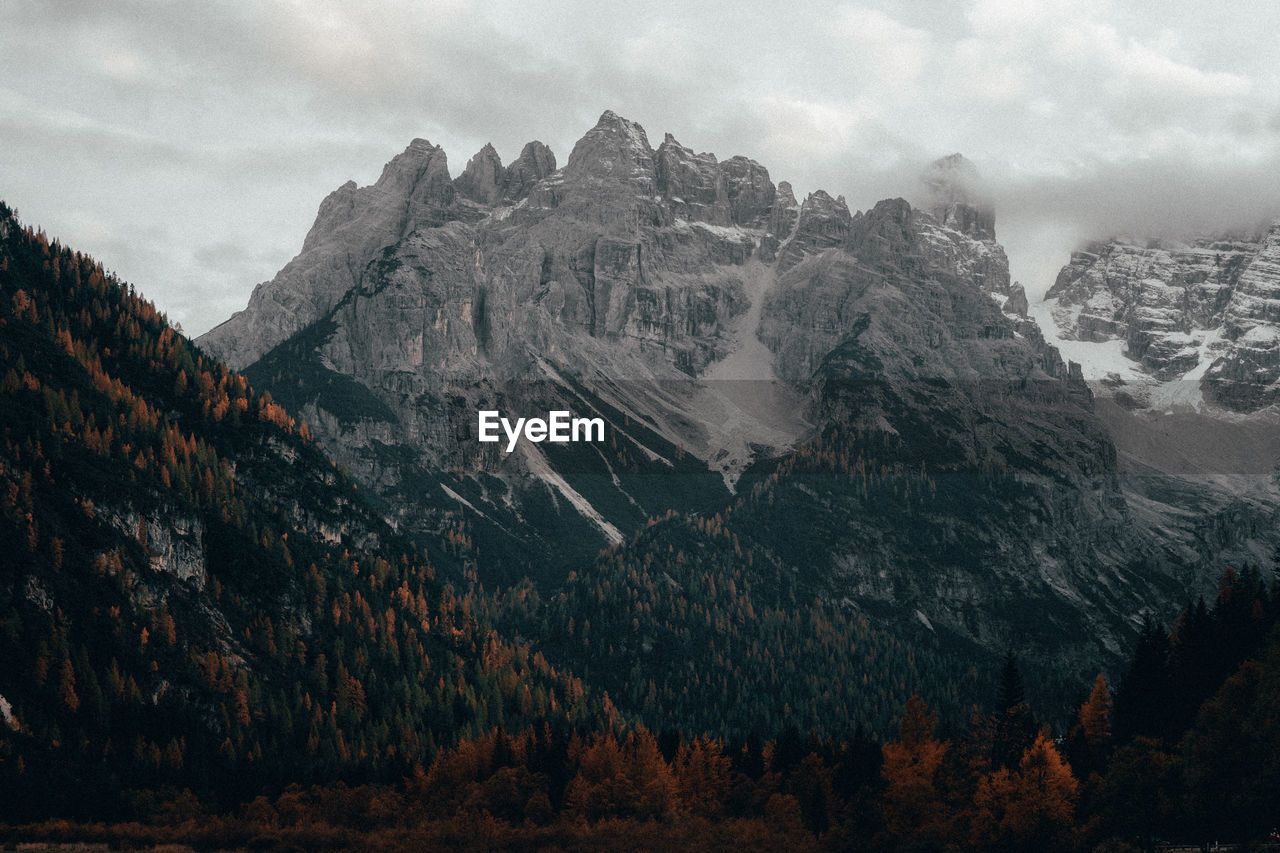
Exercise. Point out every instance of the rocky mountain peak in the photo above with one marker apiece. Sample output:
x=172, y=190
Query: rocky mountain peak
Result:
x=610, y=179
x=786, y=195
x=823, y=223
x=353, y=225
x=883, y=231
x=335, y=209
x=1197, y=318
x=534, y=163
x=483, y=179
x=692, y=184
x=615, y=149
x=956, y=198
x=639, y=281
x=783, y=215
x=751, y=193
x=421, y=171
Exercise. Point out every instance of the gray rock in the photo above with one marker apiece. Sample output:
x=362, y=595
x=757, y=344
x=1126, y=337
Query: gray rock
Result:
x=352, y=227
x=534, y=163
x=956, y=198
x=484, y=178
x=822, y=223
x=692, y=184
x=1017, y=301
x=1178, y=307
x=751, y=193
x=782, y=221
x=634, y=283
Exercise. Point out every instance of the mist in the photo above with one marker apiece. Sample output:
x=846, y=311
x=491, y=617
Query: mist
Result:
x=189, y=147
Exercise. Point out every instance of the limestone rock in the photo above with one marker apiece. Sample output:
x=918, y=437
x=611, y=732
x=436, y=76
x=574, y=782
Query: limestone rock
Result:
x=610, y=178
x=822, y=223
x=1178, y=307
x=956, y=199
x=782, y=221
x=534, y=163
x=484, y=178
x=1246, y=375
x=751, y=193
x=352, y=227
x=1016, y=302
x=692, y=184
x=647, y=286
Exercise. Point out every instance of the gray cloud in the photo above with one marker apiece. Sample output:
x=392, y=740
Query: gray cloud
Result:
x=189, y=146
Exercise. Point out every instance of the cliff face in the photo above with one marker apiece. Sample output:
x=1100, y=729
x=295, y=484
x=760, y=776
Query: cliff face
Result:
x=1202, y=313
x=182, y=567
x=718, y=326
x=1008, y=511
x=1179, y=338
x=605, y=287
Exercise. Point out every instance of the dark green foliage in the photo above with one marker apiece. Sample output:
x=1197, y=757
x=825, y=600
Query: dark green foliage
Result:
x=190, y=593
x=687, y=630
x=1171, y=675
x=1195, y=725
x=298, y=377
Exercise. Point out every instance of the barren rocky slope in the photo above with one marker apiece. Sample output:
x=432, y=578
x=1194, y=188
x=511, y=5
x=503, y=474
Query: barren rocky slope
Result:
x=729, y=335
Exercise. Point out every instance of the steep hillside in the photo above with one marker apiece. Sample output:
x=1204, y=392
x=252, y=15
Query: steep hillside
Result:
x=191, y=593
x=861, y=393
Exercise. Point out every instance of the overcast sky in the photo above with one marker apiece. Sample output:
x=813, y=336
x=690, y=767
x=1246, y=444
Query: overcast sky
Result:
x=188, y=145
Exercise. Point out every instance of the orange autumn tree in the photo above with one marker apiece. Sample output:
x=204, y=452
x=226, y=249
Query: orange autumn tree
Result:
x=1031, y=807
x=914, y=810
x=627, y=779
x=1095, y=716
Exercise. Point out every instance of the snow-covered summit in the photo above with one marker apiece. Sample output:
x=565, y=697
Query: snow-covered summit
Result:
x=1204, y=314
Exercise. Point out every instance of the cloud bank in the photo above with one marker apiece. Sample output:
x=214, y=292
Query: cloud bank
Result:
x=189, y=146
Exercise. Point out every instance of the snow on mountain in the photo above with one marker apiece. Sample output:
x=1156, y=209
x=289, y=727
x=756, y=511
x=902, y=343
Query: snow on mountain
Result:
x=1169, y=324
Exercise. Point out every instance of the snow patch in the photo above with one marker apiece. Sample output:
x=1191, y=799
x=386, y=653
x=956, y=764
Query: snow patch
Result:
x=459, y=498
x=1097, y=359
x=541, y=468
x=731, y=233
x=744, y=402
x=1262, y=335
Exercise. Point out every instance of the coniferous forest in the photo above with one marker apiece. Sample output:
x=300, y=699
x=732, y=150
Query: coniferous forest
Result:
x=211, y=637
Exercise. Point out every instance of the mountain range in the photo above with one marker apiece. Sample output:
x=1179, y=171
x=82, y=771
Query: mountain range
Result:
x=846, y=475
x=859, y=398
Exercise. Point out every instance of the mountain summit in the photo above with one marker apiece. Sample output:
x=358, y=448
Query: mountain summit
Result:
x=956, y=197
x=856, y=398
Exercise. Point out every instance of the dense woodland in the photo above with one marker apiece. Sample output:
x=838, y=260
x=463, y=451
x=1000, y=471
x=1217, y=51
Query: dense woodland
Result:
x=309, y=644
x=314, y=681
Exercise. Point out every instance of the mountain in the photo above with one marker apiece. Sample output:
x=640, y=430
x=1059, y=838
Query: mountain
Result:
x=1200, y=313
x=1176, y=338
x=412, y=306
x=191, y=593
x=860, y=396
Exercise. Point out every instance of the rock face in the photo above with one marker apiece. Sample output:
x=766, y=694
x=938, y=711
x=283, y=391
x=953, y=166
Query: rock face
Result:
x=534, y=163
x=897, y=326
x=714, y=323
x=605, y=288
x=1202, y=312
x=816, y=306
x=483, y=179
x=692, y=184
x=1178, y=339
x=822, y=223
x=1245, y=377
x=955, y=197
x=351, y=228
